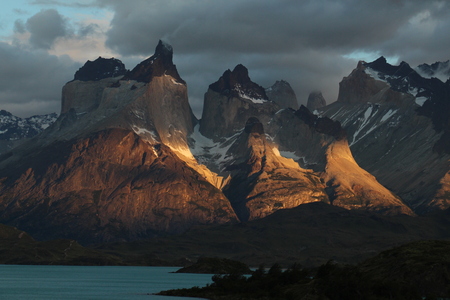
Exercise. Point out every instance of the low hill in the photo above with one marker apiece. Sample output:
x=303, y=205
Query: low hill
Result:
x=310, y=234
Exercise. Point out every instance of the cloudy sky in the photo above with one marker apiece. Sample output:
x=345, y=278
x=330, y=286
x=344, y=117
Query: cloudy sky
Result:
x=311, y=44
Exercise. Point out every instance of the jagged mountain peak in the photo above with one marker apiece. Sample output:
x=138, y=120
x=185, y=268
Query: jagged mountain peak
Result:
x=281, y=83
x=440, y=70
x=240, y=74
x=5, y=113
x=99, y=69
x=237, y=83
x=381, y=65
x=282, y=93
x=151, y=100
x=13, y=128
x=159, y=64
x=315, y=101
x=430, y=94
x=164, y=49
x=230, y=101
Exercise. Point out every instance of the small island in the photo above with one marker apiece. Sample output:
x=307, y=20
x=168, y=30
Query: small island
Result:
x=215, y=265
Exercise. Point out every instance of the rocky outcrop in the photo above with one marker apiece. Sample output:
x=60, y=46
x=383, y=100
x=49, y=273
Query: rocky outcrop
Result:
x=315, y=101
x=109, y=186
x=282, y=94
x=230, y=101
x=262, y=181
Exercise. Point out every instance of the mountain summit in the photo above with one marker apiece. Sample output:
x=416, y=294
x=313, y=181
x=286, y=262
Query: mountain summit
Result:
x=159, y=64
x=230, y=101
x=99, y=69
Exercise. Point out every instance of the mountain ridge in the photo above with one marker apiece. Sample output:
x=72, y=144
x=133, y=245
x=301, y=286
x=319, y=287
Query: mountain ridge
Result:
x=128, y=154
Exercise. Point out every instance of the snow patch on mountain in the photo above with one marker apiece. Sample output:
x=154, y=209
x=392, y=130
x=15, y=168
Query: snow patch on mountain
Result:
x=146, y=134
x=421, y=100
x=408, y=86
x=14, y=128
x=389, y=114
x=375, y=74
x=255, y=99
x=290, y=154
x=206, y=151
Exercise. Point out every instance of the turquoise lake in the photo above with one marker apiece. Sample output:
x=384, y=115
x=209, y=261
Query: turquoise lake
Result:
x=81, y=282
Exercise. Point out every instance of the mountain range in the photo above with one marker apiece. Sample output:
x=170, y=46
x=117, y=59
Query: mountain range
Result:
x=127, y=159
x=14, y=130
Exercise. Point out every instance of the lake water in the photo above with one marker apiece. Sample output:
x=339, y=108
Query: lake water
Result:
x=80, y=282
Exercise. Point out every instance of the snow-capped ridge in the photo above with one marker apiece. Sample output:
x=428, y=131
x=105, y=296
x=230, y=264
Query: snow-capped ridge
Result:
x=16, y=128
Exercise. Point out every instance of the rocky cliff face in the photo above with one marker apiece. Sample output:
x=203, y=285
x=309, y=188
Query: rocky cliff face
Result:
x=396, y=130
x=282, y=94
x=148, y=100
x=231, y=101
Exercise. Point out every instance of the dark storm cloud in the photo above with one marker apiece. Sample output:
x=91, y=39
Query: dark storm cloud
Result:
x=45, y=27
x=32, y=80
x=425, y=38
x=312, y=44
x=255, y=26
x=303, y=42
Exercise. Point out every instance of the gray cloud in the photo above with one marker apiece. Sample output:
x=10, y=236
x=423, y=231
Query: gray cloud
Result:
x=255, y=26
x=32, y=80
x=45, y=27
x=86, y=30
x=306, y=43
x=19, y=27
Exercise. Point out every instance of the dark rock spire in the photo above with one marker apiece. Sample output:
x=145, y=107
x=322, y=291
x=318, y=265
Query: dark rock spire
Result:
x=99, y=69
x=237, y=83
x=159, y=64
